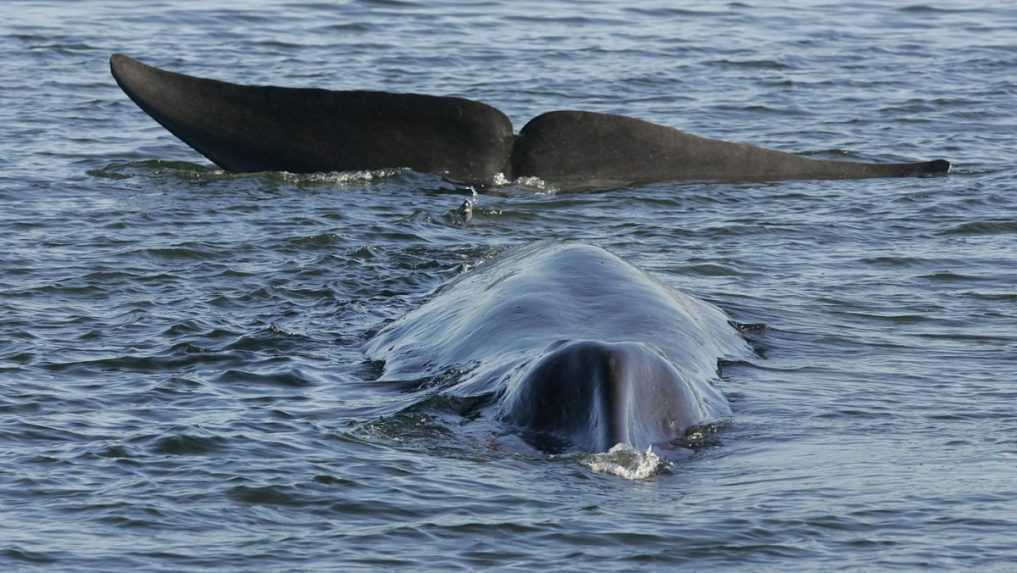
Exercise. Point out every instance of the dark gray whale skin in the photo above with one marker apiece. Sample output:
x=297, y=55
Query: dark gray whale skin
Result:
x=264, y=128
x=572, y=346
x=593, y=395
x=580, y=146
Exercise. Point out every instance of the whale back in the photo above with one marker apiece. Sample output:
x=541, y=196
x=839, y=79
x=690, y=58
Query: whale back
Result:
x=545, y=324
x=512, y=309
x=266, y=128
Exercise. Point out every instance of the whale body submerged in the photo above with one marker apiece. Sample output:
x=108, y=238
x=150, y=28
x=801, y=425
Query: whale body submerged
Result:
x=264, y=128
x=572, y=346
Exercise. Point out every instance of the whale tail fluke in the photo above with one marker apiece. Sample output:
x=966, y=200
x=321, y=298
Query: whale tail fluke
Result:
x=265, y=128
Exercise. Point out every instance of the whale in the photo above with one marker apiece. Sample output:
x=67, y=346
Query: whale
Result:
x=250, y=128
x=571, y=348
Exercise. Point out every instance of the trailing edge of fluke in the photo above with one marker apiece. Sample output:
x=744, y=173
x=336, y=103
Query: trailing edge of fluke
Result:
x=303, y=130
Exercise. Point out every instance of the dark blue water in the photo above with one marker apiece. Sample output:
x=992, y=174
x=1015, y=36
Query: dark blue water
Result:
x=182, y=382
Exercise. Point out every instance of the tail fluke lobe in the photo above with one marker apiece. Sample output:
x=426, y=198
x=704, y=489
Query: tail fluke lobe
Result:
x=586, y=146
x=265, y=128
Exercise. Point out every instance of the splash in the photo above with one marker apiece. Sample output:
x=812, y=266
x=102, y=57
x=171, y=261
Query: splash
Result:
x=204, y=173
x=624, y=461
x=340, y=177
x=534, y=183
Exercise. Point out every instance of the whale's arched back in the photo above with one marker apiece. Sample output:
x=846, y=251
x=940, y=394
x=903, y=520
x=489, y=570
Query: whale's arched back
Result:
x=573, y=344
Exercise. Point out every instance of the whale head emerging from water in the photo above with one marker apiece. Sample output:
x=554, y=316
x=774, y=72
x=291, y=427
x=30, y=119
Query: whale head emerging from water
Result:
x=576, y=348
x=594, y=395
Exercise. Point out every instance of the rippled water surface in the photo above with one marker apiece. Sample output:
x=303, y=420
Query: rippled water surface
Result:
x=182, y=381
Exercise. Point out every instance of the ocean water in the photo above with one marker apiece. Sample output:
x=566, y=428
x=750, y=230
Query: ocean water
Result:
x=182, y=377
